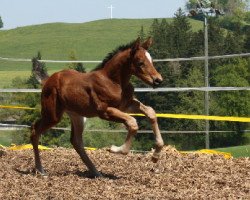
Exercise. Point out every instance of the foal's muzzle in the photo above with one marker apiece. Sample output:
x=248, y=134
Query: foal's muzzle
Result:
x=156, y=82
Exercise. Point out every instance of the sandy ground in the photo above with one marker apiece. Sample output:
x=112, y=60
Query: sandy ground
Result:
x=133, y=176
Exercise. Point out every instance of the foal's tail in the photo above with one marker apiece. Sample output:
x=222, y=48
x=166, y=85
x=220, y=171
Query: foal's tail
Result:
x=39, y=71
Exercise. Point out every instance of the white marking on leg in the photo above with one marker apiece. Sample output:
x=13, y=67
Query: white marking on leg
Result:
x=149, y=57
x=121, y=149
x=84, y=119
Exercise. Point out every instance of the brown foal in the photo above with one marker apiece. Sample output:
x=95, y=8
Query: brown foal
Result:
x=105, y=92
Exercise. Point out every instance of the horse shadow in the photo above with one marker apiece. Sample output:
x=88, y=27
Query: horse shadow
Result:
x=24, y=172
x=83, y=174
x=87, y=174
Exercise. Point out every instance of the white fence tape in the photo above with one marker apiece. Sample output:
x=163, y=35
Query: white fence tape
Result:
x=71, y=61
x=20, y=127
x=15, y=59
x=210, y=89
x=191, y=89
x=21, y=90
x=155, y=60
x=201, y=58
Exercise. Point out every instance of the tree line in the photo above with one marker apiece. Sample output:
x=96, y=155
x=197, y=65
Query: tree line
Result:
x=177, y=39
x=1, y=22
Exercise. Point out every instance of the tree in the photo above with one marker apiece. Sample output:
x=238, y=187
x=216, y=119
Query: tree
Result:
x=215, y=37
x=176, y=39
x=247, y=17
x=191, y=102
x=76, y=66
x=229, y=7
x=234, y=7
x=181, y=34
x=247, y=40
x=32, y=80
x=191, y=4
x=142, y=34
x=231, y=103
x=234, y=41
x=1, y=22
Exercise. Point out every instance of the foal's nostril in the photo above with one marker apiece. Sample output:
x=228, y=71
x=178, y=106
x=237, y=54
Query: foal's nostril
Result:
x=157, y=81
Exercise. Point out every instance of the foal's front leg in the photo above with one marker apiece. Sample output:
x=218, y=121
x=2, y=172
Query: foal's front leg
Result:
x=138, y=107
x=113, y=114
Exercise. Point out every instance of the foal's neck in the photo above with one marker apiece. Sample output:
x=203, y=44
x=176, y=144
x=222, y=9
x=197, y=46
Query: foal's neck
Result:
x=118, y=69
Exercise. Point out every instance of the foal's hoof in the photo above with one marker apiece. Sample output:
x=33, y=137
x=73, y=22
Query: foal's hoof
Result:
x=95, y=175
x=98, y=175
x=154, y=159
x=40, y=172
x=115, y=149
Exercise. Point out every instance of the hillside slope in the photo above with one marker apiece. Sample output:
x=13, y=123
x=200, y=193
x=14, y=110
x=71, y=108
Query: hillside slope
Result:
x=90, y=41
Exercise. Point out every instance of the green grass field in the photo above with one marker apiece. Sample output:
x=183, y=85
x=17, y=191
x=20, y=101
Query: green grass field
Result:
x=91, y=41
x=239, y=151
x=6, y=137
x=7, y=77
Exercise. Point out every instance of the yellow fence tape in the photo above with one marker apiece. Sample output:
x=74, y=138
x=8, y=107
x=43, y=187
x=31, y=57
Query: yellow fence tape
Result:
x=200, y=117
x=210, y=151
x=17, y=107
x=202, y=151
x=175, y=116
x=29, y=146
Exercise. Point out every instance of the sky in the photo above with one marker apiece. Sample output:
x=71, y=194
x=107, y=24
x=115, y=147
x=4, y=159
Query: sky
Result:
x=18, y=13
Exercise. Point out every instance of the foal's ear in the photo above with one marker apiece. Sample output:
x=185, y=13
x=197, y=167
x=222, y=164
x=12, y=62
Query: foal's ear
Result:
x=136, y=45
x=147, y=43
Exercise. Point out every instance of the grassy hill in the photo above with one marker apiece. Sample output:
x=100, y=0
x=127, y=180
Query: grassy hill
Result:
x=91, y=41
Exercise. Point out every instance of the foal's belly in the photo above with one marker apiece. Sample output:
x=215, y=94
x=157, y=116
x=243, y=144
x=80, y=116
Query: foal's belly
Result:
x=82, y=103
x=77, y=100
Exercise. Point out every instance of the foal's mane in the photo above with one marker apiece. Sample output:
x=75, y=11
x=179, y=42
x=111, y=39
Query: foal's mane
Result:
x=111, y=54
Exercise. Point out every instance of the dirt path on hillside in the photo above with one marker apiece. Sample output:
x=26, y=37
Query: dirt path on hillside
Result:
x=134, y=176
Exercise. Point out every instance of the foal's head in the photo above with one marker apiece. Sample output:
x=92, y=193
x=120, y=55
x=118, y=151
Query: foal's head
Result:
x=142, y=63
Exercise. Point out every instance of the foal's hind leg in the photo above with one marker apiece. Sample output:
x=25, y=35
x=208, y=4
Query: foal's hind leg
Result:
x=51, y=115
x=39, y=128
x=77, y=127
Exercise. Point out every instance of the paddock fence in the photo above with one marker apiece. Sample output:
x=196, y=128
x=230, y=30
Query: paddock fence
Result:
x=139, y=90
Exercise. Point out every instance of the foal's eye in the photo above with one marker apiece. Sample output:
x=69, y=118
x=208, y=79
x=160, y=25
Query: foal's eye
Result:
x=140, y=64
